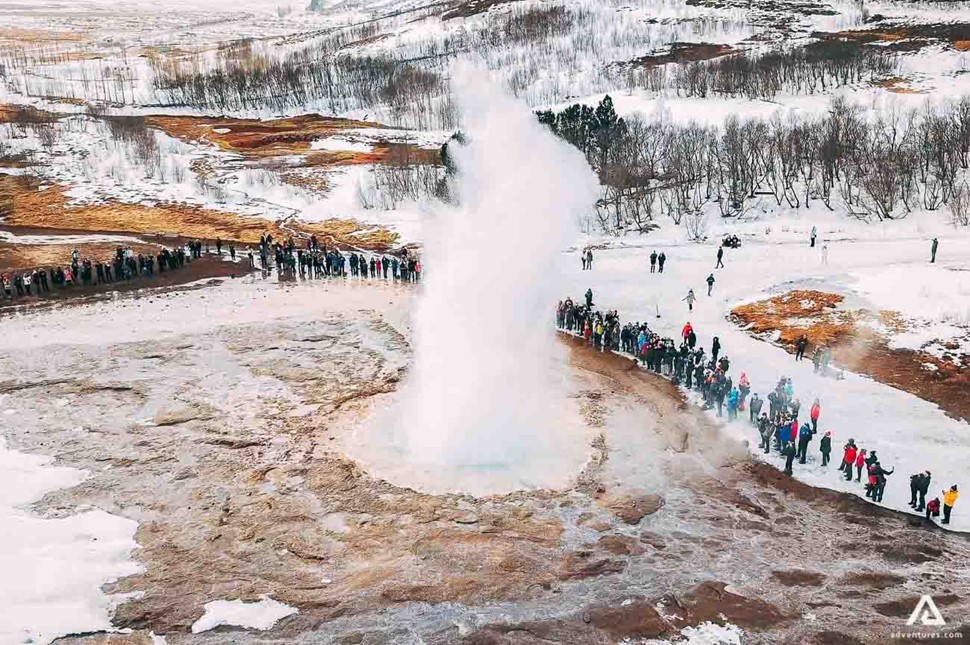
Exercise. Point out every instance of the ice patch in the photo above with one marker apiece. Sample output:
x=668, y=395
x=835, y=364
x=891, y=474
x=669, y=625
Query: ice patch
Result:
x=253, y=615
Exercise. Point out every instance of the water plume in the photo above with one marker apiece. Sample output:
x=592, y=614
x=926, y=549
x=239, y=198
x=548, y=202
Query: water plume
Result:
x=485, y=390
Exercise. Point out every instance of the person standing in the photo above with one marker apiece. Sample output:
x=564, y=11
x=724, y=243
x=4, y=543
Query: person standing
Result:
x=589, y=298
x=582, y=257
x=690, y=298
x=754, y=408
x=813, y=413
x=660, y=261
x=848, y=459
x=789, y=452
x=933, y=248
x=804, y=437
x=860, y=461
x=825, y=253
x=800, y=347
x=949, y=499
x=710, y=284
x=653, y=262
x=924, y=488
x=720, y=258
x=825, y=447
x=589, y=258
x=715, y=349
x=914, y=484
x=814, y=235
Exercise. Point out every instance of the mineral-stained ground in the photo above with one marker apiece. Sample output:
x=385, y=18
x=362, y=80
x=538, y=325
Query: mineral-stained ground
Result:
x=219, y=429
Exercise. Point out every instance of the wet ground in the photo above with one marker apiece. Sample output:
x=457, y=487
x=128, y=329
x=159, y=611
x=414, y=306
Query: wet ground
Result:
x=218, y=428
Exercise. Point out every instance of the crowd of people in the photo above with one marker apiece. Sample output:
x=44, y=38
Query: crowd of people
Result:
x=783, y=427
x=312, y=260
x=124, y=266
x=315, y=260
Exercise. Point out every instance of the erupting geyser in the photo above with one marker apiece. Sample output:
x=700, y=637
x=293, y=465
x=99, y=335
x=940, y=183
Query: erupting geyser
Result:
x=485, y=390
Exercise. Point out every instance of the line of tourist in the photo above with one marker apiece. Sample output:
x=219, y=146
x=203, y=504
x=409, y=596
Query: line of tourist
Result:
x=126, y=265
x=778, y=427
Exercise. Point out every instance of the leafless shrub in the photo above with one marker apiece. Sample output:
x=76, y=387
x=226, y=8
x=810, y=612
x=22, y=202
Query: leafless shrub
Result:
x=959, y=204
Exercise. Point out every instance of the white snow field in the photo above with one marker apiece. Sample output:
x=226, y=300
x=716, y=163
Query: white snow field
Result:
x=909, y=434
x=54, y=567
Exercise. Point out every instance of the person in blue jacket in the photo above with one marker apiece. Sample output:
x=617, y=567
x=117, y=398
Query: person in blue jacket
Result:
x=804, y=437
x=732, y=404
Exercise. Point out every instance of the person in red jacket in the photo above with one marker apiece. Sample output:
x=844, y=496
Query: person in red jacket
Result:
x=848, y=459
x=816, y=409
x=685, y=332
x=933, y=509
x=860, y=461
x=794, y=431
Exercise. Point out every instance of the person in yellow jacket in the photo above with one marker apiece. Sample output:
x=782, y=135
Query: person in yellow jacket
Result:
x=949, y=499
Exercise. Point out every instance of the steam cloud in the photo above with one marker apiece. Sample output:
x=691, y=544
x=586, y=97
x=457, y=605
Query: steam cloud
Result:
x=485, y=390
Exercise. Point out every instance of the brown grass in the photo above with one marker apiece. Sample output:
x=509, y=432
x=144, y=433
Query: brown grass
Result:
x=820, y=321
x=895, y=85
x=256, y=138
x=856, y=347
x=685, y=53
x=49, y=209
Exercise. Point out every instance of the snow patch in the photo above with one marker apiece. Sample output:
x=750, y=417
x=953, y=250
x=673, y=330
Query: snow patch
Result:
x=261, y=615
x=54, y=568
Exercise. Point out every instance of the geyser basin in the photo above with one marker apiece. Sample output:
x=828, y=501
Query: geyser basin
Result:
x=486, y=391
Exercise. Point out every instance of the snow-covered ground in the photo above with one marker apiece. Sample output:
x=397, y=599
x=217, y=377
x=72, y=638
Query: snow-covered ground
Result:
x=909, y=434
x=54, y=566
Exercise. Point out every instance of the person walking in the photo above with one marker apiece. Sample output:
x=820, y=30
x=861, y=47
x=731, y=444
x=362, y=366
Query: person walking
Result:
x=949, y=499
x=825, y=447
x=720, y=258
x=933, y=248
x=660, y=261
x=800, y=347
x=653, y=262
x=690, y=298
x=814, y=235
x=710, y=283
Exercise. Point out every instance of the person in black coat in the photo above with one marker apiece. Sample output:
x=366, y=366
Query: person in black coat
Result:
x=715, y=349
x=825, y=447
x=789, y=452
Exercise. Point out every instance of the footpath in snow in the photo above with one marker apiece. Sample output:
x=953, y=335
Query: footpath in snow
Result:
x=909, y=434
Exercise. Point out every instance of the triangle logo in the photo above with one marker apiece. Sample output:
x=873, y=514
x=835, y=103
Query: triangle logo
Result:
x=926, y=613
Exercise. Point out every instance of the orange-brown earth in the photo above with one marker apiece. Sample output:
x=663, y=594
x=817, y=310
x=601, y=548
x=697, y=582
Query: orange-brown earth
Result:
x=857, y=347
x=907, y=37
x=31, y=206
x=255, y=137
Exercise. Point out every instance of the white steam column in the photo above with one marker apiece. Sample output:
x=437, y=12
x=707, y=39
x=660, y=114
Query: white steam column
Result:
x=485, y=390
